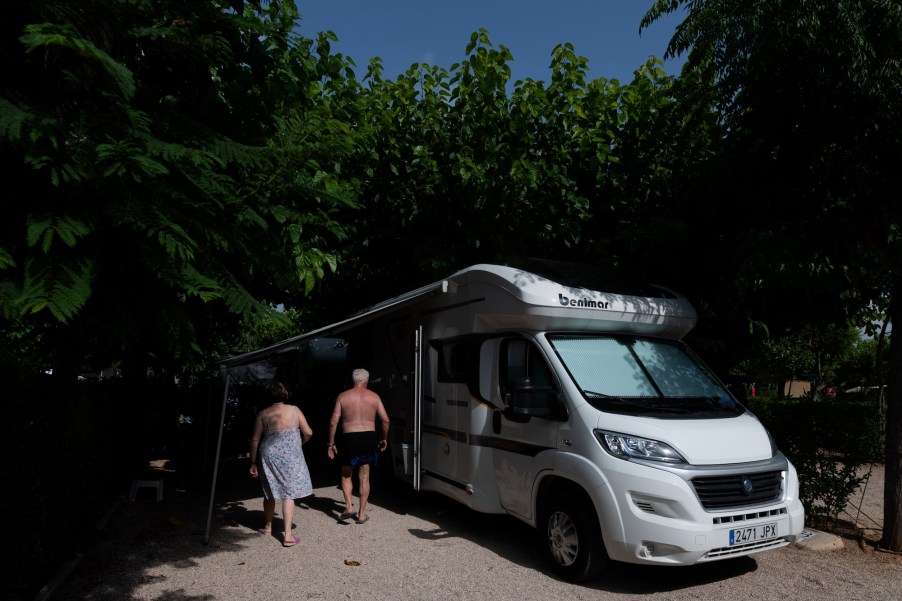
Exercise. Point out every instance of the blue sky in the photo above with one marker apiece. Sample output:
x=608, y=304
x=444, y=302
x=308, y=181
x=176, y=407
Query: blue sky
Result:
x=403, y=32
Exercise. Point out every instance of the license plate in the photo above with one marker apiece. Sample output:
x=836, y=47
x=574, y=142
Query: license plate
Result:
x=741, y=536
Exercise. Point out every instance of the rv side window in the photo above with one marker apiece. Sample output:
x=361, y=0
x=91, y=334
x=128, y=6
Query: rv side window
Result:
x=526, y=379
x=452, y=360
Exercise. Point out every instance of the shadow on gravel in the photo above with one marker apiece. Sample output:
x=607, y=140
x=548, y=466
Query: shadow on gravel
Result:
x=519, y=543
x=169, y=533
x=149, y=535
x=236, y=514
x=643, y=580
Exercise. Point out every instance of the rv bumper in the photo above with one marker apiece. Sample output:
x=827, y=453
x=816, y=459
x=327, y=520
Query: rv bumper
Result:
x=657, y=518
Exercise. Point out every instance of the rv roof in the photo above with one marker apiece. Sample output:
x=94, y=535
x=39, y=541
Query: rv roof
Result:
x=590, y=276
x=552, y=302
x=546, y=304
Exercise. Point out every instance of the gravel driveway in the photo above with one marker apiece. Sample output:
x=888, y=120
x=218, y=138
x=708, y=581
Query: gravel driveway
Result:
x=423, y=546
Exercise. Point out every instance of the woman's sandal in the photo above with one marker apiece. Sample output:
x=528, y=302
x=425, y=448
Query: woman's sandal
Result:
x=291, y=542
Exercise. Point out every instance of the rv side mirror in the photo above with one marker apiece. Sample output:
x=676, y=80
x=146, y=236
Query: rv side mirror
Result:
x=527, y=400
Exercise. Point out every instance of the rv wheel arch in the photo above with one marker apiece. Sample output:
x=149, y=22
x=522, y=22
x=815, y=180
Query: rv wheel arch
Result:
x=570, y=533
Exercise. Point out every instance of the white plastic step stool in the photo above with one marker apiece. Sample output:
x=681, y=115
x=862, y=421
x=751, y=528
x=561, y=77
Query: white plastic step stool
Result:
x=136, y=484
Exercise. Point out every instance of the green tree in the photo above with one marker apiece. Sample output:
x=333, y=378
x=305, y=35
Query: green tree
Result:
x=171, y=172
x=168, y=173
x=809, y=94
x=465, y=166
x=816, y=353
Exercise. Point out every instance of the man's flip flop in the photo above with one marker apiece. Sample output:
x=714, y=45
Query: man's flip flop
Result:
x=263, y=531
x=346, y=516
x=291, y=542
x=363, y=521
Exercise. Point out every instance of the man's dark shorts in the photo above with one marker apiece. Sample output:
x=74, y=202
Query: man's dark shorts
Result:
x=360, y=449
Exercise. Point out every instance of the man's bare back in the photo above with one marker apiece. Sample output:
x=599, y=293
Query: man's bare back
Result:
x=358, y=409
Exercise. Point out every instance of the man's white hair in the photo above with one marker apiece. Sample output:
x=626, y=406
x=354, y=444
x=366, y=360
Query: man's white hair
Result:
x=360, y=376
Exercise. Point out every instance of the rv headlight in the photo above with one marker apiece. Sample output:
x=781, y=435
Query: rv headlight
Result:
x=624, y=446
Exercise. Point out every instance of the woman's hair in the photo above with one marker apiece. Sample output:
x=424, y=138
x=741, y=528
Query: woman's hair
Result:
x=277, y=391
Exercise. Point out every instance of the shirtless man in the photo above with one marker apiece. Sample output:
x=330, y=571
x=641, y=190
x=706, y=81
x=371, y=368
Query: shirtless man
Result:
x=357, y=410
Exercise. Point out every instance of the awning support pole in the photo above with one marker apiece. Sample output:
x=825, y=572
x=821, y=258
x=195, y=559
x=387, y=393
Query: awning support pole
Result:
x=226, y=381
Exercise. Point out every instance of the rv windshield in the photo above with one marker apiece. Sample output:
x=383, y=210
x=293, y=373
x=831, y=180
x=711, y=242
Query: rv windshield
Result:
x=643, y=376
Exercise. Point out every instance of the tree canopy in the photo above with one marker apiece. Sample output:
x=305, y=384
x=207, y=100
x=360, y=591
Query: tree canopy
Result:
x=159, y=185
x=464, y=166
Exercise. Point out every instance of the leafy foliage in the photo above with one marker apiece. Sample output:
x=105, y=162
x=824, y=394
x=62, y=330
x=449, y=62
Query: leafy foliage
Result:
x=809, y=93
x=816, y=353
x=151, y=191
x=465, y=166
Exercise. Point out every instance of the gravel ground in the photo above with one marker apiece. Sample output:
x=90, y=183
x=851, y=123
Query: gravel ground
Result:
x=423, y=546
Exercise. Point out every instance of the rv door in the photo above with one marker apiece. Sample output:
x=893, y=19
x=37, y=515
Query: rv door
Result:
x=529, y=423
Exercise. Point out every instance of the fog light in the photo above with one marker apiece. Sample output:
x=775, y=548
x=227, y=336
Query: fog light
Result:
x=646, y=550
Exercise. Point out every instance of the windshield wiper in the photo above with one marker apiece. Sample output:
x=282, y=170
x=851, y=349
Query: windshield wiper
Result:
x=601, y=395
x=698, y=402
x=669, y=407
x=658, y=404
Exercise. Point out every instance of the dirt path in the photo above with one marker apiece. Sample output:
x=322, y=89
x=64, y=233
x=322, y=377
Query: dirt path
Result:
x=423, y=546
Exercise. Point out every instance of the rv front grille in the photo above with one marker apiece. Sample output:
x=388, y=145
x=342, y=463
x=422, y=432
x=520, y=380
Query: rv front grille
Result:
x=746, y=517
x=738, y=490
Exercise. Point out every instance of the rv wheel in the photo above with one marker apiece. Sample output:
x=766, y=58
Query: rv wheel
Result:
x=573, y=538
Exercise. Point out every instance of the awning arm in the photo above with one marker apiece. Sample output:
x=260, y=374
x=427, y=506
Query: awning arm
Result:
x=226, y=381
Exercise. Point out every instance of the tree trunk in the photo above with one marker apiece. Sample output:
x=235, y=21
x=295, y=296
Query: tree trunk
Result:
x=892, y=492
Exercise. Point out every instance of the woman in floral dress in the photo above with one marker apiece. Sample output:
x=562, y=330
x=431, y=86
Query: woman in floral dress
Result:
x=279, y=432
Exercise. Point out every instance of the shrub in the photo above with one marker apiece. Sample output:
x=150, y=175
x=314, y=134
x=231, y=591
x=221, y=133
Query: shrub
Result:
x=828, y=439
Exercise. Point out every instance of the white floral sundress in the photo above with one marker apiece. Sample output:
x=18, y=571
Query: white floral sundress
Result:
x=285, y=471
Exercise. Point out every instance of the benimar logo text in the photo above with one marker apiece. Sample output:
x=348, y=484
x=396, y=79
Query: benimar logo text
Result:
x=581, y=302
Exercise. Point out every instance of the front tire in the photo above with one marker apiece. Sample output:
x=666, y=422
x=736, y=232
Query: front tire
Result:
x=572, y=538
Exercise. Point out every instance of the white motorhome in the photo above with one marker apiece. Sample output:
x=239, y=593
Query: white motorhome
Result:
x=576, y=410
